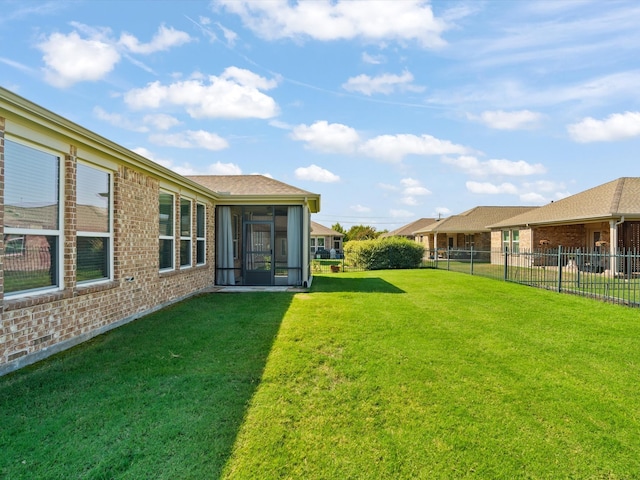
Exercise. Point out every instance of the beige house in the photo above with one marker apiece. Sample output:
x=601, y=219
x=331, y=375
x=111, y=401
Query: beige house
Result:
x=325, y=238
x=95, y=235
x=603, y=218
x=467, y=230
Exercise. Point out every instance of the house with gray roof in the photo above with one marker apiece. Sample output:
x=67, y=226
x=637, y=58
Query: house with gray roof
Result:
x=325, y=238
x=95, y=235
x=260, y=226
x=467, y=230
x=606, y=217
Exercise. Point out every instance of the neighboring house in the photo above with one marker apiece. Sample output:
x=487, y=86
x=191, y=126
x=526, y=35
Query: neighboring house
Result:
x=606, y=217
x=467, y=230
x=325, y=238
x=407, y=231
x=95, y=235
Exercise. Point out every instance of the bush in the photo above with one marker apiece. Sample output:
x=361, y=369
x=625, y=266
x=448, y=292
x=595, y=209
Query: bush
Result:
x=384, y=253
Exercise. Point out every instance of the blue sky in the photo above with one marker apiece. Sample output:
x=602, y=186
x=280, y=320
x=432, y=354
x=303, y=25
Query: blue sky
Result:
x=391, y=110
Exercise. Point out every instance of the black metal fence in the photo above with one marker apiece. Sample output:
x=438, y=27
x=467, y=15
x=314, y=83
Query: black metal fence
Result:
x=611, y=277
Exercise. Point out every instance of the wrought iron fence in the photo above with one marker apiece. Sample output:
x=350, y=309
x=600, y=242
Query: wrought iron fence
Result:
x=611, y=277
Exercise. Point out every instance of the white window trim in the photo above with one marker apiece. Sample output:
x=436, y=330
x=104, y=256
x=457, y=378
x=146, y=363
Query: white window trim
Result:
x=187, y=238
x=173, y=227
x=202, y=239
x=58, y=233
x=108, y=234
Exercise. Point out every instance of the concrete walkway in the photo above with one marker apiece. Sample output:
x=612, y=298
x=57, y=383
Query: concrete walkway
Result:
x=242, y=289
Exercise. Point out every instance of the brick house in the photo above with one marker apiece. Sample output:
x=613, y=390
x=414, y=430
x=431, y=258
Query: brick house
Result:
x=467, y=230
x=95, y=236
x=325, y=238
x=603, y=218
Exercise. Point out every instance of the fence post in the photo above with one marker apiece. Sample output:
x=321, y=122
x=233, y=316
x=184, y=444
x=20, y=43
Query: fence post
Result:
x=471, y=259
x=506, y=264
x=448, y=258
x=559, y=268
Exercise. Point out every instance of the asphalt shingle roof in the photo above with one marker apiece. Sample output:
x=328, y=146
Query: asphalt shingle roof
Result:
x=610, y=200
x=476, y=219
x=247, y=185
x=408, y=229
x=318, y=229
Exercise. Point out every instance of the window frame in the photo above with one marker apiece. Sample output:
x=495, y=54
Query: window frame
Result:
x=108, y=235
x=26, y=232
x=201, y=239
x=171, y=237
x=186, y=238
x=511, y=241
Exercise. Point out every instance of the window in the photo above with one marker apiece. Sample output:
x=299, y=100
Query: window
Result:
x=511, y=241
x=185, y=233
x=166, y=231
x=320, y=243
x=32, y=224
x=505, y=240
x=312, y=244
x=515, y=241
x=468, y=242
x=201, y=243
x=93, y=241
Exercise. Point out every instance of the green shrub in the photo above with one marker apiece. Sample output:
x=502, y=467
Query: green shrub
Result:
x=384, y=253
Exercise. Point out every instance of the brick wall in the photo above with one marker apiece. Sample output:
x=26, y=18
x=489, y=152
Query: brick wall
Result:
x=36, y=326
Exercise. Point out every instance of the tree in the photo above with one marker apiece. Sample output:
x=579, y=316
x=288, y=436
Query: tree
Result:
x=339, y=228
x=361, y=232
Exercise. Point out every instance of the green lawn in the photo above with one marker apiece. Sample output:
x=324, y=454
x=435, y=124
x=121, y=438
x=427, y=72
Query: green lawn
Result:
x=387, y=374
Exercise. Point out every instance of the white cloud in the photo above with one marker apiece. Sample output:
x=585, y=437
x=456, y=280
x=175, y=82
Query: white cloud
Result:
x=327, y=137
x=234, y=94
x=190, y=139
x=514, y=94
x=220, y=168
x=71, y=59
x=386, y=84
x=394, y=148
x=217, y=168
x=372, y=59
x=618, y=126
x=17, y=65
x=280, y=124
x=119, y=120
x=472, y=166
x=381, y=20
x=413, y=188
x=229, y=35
x=164, y=39
x=161, y=121
x=441, y=211
x=316, y=174
x=247, y=78
x=533, y=198
x=186, y=168
x=490, y=188
x=515, y=120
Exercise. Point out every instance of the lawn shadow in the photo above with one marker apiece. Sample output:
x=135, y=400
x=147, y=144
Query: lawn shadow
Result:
x=161, y=397
x=337, y=283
